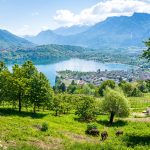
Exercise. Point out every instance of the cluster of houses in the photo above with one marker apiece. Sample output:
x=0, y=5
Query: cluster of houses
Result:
x=98, y=77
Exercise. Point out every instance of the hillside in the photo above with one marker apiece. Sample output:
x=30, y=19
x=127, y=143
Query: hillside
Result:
x=115, y=32
x=21, y=131
x=9, y=40
x=44, y=37
x=118, y=32
x=43, y=53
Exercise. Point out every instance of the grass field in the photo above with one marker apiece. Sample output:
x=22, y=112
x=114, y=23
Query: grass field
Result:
x=20, y=131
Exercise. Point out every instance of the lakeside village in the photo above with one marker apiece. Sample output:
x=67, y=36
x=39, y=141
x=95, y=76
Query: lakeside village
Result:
x=98, y=77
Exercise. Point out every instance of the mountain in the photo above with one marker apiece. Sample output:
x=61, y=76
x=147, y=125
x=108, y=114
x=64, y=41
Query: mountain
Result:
x=123, y=31
x=120, y=31
x=9, y=40
x=76, y=29
x=44, y=37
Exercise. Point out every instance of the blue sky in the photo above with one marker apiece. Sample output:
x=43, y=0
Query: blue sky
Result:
x=31, y=16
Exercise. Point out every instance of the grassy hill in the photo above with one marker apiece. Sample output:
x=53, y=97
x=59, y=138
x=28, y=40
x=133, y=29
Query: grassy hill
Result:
x=21, y=131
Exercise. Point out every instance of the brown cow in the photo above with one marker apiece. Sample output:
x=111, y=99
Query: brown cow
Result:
x=104, y=135
x=119, y=133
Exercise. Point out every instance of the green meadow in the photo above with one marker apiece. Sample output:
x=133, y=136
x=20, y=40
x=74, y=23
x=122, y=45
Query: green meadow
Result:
x=21, y=131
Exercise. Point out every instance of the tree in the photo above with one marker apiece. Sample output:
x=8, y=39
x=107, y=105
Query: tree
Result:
x=143, y=86
x=109, y=83
x=146, y=53
x=71, y=88
x=59, y=86
x=136, y=92
x=18, y=84
x=115, y=104
x=57, y=104
x=4, y=82
x=86, y=109
x=62, y=87
x=127, y=88
x=39, y=93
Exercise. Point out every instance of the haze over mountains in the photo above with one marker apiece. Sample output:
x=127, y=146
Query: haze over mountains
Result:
x=114, y=32
x=120, y=31
x=9, y=40
x=71, y=30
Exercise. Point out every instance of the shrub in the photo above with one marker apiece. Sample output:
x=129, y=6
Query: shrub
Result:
x=44, y=126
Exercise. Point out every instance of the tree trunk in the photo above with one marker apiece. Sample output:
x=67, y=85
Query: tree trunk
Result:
x=56, y=113
x=43, y=108
x=111, y=117
x=19, y=99
x=34, y=108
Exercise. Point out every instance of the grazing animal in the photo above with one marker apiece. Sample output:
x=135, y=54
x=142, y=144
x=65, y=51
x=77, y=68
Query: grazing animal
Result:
x=94, y=132
x=119, y=133
x=104, y=135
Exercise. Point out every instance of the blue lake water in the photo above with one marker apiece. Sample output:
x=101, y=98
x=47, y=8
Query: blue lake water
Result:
x=50, y=70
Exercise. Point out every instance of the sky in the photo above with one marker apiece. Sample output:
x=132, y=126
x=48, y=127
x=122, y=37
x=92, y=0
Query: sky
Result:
x=29, y=17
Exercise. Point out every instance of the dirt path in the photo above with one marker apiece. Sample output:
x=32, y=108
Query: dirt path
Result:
x=138, y=119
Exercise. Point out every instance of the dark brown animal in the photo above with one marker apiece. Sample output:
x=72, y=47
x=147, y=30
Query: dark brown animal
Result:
x=94, y=132
x=119, y=133
x=104, y=135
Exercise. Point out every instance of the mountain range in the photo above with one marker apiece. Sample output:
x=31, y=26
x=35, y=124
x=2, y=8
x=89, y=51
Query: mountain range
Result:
x=114, y=32
x=11, y=41
x=122, y=31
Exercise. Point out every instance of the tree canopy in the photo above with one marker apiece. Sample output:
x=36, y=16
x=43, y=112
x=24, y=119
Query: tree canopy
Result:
x=146, y=53
x=115, y=103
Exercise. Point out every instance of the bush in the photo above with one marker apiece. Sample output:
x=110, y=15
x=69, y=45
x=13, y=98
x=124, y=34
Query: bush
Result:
x=92, y=130
x=44, y=126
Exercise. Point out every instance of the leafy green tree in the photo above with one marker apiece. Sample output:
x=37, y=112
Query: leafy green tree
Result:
x=136, y=92
x=127, y=88
x=39, y=93
x=148, y=85
x=86, y=89
x=131, y=89
x=57, y=107
x=115, y=104
x=62, y=87
x=4, y=83
x=86, y=109
x=142, y=86
x=71, y=89
x=109, y=83
x=73, y=82
x=59, y=86
x=18, y=85
x=146, y=53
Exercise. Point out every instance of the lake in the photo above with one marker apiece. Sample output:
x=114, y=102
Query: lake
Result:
x=50, y=70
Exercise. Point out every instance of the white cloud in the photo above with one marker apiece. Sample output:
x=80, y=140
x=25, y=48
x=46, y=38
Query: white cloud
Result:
x=100, y=11
x=44, y=28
